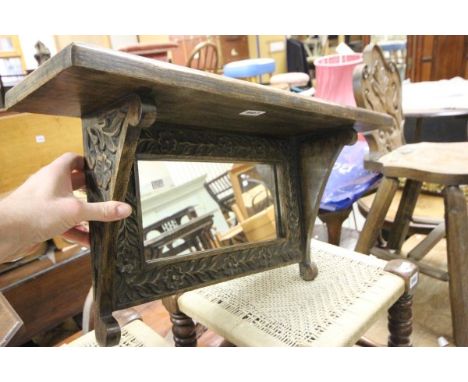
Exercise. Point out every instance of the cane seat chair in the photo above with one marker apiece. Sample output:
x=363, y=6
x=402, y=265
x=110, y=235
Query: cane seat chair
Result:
x=134, y=334
x=278, y=308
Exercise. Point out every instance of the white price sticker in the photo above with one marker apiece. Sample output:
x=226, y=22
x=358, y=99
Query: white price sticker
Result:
x=40, y=139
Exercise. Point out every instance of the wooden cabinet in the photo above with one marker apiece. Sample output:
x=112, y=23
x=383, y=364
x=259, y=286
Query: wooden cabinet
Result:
x=230, y=47
x=233, y=48
x=432, y=58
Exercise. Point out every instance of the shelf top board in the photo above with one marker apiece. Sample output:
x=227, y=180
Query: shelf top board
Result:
x=81, y=80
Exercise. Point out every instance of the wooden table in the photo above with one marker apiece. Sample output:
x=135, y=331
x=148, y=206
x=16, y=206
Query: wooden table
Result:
x=196, y=228
x=136, y=108
x=430, y=99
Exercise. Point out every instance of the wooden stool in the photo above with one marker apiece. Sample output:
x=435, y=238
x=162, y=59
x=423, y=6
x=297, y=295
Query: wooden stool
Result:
x=134, y=334
x=278, y=308
x=443, y=163
x=288, y=80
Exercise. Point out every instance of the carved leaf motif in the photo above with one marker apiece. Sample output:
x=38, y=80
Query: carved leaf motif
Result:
x=137, y=281
x=101, y=140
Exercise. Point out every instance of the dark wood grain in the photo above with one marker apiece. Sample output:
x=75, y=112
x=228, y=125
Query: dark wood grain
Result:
x=10, y=322
x=80, y=80
x=45, y=293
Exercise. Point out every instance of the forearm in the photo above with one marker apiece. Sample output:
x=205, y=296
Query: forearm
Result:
x=12, y=238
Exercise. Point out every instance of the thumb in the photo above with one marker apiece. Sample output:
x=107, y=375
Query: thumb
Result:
x=105, y=211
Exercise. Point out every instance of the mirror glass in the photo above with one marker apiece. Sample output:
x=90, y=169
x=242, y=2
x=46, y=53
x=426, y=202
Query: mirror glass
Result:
x=189, y=207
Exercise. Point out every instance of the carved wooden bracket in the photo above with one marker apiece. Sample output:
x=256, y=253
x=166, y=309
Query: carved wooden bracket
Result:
x=110, y=140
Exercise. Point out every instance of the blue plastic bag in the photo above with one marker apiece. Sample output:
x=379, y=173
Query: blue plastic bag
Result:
x=349, y=180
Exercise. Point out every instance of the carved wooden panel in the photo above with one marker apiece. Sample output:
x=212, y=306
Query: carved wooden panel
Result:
x=377, y=86
x=140, y=280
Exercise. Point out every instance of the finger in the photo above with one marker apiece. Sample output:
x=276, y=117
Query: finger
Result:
x=78, y=179
x=105, y=211
x=77, y=236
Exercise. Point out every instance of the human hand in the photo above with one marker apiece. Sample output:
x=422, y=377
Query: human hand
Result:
x=44, y=207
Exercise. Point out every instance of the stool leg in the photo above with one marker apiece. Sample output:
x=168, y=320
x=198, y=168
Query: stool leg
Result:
x=183, y=327
x=377, y=213
x=456, y=221
x=405, y=212
x=400, y=314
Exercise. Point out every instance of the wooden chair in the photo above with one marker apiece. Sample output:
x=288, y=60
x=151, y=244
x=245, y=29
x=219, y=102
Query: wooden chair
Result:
x=387, y=99
x=204, y=57
x=384, y=97
x=278, y=308
x=220, y=189
x=442, y=163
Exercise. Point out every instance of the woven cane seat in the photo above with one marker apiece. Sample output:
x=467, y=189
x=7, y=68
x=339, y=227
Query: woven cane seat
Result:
x=134, y=334
x=278, y=308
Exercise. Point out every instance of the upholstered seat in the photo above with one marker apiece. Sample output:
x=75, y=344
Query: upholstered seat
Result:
x=278, y=308
x=134, y=334
x=290, y=79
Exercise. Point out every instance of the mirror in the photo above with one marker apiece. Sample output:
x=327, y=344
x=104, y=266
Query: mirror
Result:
x=187, y=207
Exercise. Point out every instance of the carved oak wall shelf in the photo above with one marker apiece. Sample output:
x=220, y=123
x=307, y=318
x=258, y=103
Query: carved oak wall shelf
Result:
x=135, y=108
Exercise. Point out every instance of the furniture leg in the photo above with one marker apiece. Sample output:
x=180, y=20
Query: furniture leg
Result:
x=317, y=157
x=377, y=213
x=418, y=129
x=334, y=222
x=183, y=327
x=456, y=221
x=400, y=314
x=405, y=212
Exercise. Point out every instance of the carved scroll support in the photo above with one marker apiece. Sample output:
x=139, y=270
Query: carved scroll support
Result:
x=110, y=140
x=317, y=157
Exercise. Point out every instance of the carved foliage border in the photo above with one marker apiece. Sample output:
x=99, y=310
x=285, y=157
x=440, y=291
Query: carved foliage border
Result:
x=101, y=135
x=138, y=281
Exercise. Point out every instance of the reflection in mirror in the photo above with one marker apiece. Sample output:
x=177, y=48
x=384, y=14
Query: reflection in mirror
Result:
x=195, y=206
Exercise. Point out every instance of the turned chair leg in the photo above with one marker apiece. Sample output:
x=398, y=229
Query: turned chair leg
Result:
x=183, y=327
x=400, y=322
x=400, y=314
